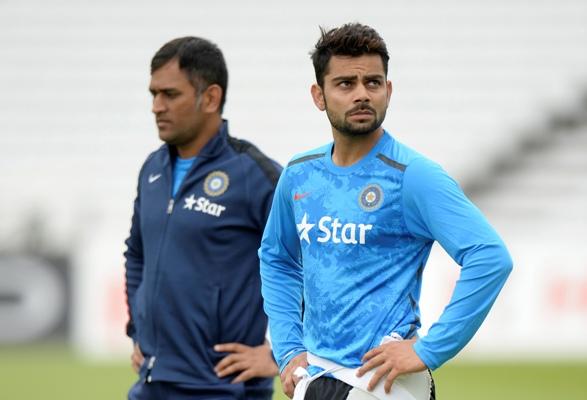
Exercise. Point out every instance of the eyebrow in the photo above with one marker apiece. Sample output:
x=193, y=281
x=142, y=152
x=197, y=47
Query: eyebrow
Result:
x=344, y=78
x=375, y=76
x=355, y=77
x=163, y=90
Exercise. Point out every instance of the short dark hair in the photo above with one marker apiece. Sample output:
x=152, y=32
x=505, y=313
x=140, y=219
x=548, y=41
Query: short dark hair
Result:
x=201, y=60
x=351, y=39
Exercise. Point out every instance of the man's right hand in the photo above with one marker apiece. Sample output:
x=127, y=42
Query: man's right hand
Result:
x=288, y=379
x=137, y=358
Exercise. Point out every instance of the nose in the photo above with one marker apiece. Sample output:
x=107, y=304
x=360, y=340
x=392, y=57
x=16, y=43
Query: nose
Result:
x=361, y=94
x=158, y=105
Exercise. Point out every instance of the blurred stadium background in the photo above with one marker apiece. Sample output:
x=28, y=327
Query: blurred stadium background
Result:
x=494, y=91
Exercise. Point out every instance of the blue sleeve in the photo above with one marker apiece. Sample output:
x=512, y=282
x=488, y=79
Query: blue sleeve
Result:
x=282, y=278
x=437, y=209
x=134, y=262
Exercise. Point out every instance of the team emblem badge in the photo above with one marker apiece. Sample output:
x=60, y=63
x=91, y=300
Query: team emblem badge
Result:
x=216, y=183
x=371, y=198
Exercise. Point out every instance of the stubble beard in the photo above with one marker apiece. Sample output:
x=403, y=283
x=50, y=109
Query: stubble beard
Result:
x=177, y=137
x=351, y=129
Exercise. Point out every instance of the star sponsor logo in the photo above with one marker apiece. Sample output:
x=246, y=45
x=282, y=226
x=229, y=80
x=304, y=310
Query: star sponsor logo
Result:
x=304, y=228
x=152, y=178
x=203, y=205
x=333, y=230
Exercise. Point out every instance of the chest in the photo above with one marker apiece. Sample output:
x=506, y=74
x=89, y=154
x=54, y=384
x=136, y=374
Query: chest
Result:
x=347, y=210
x=208, y=201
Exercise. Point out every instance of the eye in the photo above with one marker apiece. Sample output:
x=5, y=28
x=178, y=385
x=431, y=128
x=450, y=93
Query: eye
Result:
x=171, y=94
x=374, y=83
x=344, y=84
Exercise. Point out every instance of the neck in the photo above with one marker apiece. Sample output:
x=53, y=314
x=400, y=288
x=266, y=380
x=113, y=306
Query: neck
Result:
x=209, y=128
x=350, y=149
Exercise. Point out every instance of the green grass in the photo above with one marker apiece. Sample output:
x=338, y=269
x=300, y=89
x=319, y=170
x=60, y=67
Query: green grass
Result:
x=505, y=381
x=55, y=373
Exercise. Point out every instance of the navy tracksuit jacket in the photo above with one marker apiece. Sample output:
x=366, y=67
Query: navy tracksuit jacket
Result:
x=192, y=270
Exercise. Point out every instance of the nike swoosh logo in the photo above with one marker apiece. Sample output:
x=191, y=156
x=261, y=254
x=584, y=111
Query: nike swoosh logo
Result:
x=299, y=196
x=153, y=178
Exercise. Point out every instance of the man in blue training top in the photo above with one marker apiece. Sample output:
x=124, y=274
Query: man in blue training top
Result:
x=348, y=236
x=192, y=270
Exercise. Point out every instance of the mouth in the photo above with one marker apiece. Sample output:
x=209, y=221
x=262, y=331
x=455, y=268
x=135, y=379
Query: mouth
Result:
x=361, y=116
x=163, y=122
x=361, y=111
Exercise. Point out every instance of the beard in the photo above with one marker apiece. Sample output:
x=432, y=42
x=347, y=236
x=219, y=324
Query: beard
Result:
x=355, y=129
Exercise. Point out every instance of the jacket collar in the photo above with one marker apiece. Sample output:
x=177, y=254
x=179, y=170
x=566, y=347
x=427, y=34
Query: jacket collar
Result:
x=211, y=149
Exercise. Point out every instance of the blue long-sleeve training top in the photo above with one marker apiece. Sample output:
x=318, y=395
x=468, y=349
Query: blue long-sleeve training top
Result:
x=351, y=243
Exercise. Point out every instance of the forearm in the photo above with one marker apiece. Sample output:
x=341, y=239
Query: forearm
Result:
x=282, y=294
x=483, y=275
x=282, y=277
x=133, y=278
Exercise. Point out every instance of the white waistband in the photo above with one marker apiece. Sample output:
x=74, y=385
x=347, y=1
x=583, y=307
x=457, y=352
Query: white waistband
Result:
x=414, y=386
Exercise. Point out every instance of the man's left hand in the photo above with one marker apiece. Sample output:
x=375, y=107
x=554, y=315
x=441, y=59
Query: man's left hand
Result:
x=391, y=359
x=249, y=362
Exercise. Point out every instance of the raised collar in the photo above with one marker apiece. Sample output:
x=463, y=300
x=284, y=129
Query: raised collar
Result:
x=215, y=145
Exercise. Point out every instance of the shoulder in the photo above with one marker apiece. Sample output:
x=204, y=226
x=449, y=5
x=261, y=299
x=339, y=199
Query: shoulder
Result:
x=396, y=154
x=427, y=180
x=155, y=159
x=420, y=175
x=413, y=164
x=308, y=156
x=423, y=168
x=259, y=160
x=158, y=156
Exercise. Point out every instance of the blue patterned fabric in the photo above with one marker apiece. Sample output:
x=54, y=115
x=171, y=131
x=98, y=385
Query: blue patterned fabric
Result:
x=352, y=242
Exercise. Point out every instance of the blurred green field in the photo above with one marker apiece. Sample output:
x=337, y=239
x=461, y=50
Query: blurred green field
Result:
x=55, y=373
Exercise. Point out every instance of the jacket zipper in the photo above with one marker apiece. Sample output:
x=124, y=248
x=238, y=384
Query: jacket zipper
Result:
x=170, y=206
x=153, y=358
x=149, y=369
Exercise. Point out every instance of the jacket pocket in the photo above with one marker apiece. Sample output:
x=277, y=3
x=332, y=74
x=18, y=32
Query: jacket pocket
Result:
x=140, y=302
x=241, y=314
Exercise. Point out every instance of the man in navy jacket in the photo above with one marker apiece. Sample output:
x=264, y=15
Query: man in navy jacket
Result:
x=192, y=271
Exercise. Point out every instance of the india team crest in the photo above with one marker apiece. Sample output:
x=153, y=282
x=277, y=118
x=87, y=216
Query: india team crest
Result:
x=371, y=198
x=216, y=183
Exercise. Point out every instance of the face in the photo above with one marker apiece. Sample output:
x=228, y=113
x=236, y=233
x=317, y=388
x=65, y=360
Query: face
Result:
x=176, y=105
x=355, y=94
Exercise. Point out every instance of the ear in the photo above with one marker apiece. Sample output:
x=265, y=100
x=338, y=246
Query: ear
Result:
x=211, y=99
x=318, y=97
x=389, y=90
